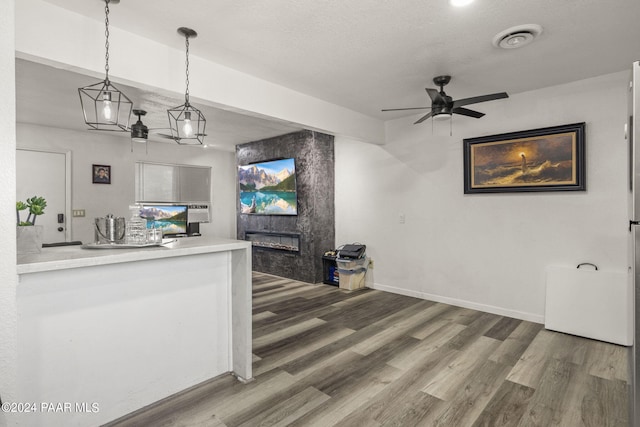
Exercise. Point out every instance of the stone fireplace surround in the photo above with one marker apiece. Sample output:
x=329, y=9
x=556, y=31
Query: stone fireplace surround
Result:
x=315, y=223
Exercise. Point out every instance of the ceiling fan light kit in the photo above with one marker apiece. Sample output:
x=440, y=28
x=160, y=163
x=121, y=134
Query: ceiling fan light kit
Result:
x=187, y=123
x=139, y=132
x=442, y=116
x=104, y=106
x=516, y=37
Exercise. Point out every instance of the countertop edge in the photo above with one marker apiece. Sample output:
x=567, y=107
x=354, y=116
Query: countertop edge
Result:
x=69, y=257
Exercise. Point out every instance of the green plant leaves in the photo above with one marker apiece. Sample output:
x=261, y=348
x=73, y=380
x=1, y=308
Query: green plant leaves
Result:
x=36, y=207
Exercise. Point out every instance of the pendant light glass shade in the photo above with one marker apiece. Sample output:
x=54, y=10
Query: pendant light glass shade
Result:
x=104, y=106
x=187, y=122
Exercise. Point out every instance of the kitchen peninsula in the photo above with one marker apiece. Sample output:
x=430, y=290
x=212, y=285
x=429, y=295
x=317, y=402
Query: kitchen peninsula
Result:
x=109, y=331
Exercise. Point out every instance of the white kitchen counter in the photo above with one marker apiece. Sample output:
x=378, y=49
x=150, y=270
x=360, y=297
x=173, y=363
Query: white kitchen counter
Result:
x=119, y=329
x=63, y=257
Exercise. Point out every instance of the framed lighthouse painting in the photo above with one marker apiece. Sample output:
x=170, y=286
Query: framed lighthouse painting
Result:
x=545, y=159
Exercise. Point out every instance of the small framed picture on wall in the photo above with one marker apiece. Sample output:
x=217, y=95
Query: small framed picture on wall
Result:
x=101, y=174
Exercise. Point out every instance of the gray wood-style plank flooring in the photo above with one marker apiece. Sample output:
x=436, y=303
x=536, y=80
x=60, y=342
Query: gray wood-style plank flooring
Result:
x=328, y=357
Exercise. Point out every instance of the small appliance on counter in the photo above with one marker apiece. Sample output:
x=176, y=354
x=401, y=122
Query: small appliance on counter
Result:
x=149, y=223
x=136, y=232
x=175, y=219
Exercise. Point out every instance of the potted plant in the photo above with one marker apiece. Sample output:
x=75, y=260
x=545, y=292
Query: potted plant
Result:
x=29, y=235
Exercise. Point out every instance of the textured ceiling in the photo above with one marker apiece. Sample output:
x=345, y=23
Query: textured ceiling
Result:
x=372, y=54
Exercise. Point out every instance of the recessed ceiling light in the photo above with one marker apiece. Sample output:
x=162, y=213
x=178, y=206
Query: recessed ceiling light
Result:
x=460, y=3
x=517, y=36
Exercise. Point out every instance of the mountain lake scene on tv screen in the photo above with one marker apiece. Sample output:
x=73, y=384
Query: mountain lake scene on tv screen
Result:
x=268, y=188
x=170, y=219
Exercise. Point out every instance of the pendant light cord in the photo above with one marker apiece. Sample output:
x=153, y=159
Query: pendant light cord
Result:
x=186, y=93
x=106, y=44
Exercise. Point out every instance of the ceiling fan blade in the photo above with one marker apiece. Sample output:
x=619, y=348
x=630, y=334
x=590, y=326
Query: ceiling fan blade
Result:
x=423, y=118
x=477, y=99
x=467, y=112
x=401, y=109
x=435, y=96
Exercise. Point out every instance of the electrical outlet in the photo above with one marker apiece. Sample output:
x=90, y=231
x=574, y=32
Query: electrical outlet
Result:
x=402, y=218
x=78, y=213
x=370, y=263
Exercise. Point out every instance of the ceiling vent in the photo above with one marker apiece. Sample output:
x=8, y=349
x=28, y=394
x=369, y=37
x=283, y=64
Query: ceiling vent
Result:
x=517, y=36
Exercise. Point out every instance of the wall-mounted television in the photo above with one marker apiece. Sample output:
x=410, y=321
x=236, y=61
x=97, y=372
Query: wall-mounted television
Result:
x=171, y=219
x=268, y=188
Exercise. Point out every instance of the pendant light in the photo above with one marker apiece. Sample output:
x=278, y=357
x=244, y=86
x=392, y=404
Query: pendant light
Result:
x=104, y=106
x=187, y=122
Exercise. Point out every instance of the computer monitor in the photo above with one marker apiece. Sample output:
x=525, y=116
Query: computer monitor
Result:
x=171, y=219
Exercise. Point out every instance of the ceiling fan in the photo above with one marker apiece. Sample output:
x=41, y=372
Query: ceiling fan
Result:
x=140, y=132
x=443, y=106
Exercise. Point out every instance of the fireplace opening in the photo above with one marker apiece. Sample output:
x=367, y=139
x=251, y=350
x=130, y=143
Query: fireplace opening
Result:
x=287, y=242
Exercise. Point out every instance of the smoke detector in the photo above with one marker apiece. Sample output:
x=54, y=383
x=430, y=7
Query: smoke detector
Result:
x=518, y=36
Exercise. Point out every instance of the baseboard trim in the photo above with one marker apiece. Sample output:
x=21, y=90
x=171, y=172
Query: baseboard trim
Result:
x=530, y=317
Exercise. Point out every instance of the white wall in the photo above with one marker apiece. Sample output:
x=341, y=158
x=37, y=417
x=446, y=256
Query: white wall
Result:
x=486, y=251
x=90, y=147
x=8, y=278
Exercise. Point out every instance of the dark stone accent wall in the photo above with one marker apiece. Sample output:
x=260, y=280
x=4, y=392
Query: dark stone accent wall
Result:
x=315, y=179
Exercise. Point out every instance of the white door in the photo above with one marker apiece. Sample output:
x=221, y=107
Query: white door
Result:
x=45, y=174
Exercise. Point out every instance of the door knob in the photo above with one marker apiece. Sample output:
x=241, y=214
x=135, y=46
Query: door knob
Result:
x=60, y=229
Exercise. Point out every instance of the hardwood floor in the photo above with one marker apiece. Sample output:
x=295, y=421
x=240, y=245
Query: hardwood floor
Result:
x=325, y=357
